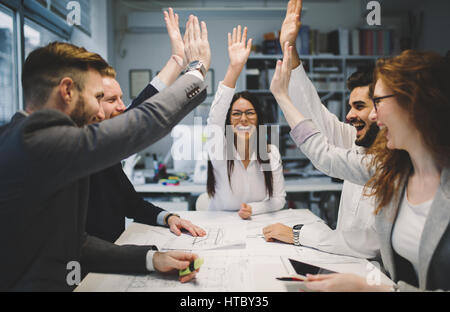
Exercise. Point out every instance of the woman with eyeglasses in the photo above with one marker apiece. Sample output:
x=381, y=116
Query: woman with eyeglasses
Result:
x=408, y=170
x=244, y=172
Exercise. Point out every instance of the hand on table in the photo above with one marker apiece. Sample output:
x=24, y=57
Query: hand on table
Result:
x=245, y=212
x=174, y=260
x=196, y=43
x=341, y=283
x=177, y=224
x=279, y=232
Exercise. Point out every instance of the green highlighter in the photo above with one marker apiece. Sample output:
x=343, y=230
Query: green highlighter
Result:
x=194, y=265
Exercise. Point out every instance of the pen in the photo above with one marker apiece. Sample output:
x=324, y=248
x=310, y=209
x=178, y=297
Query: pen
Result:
x=291, y=279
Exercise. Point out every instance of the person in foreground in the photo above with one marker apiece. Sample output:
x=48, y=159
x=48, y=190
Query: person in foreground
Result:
x=50, y=151
x=408, y=171
x=355, y=231
x=112, y=197
x=239, y=179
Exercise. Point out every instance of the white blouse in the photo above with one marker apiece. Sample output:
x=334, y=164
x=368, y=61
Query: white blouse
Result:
x=408, y=230
x=247, y=185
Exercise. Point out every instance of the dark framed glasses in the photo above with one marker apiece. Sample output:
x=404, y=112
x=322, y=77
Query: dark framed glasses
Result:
x=376, y=101
x=236, y=115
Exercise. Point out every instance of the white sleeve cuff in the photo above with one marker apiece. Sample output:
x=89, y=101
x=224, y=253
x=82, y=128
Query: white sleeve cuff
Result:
x=158, y=84
x=160, y=218
x=149, y=260
x=197, y=74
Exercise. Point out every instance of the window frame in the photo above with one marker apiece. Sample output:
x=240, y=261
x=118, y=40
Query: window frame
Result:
x=33, y=11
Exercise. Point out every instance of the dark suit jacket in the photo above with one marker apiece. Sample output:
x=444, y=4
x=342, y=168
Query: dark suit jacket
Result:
x=45, y=164
x=112, y=196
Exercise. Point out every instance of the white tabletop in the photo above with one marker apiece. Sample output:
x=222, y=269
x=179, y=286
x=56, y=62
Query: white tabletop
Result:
x=319, y=184
x=253, y=266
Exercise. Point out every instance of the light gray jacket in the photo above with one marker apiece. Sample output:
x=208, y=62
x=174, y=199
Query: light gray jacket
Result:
x=434, y=253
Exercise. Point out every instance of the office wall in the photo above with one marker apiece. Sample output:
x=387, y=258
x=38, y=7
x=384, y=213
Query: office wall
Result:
x=98, y=41
x=151, y=51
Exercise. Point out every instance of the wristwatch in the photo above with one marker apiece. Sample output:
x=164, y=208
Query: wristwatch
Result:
x=296, y=230
x=196, y=65
x=166, y=218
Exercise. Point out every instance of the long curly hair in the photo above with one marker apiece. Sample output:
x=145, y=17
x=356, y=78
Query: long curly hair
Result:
x=421, y=82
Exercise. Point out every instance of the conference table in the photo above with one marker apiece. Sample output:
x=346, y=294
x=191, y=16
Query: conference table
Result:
x=236, y=256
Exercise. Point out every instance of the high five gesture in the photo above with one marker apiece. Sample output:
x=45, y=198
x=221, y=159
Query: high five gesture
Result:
x=238, y=50
x=291, y=27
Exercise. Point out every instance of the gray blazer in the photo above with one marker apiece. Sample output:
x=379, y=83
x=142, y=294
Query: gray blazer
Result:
x=45, y=164
x=351, y=165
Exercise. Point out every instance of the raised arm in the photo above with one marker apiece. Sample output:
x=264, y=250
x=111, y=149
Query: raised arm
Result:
x=238, y=50
x=346, y=164
x=178, y=60
x=301, y=90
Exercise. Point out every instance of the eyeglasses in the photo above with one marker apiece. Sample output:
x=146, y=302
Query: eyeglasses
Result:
x=236, y=115
x=376, y=101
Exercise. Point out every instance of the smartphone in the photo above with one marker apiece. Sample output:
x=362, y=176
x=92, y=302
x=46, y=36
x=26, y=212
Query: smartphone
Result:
x=302, y=269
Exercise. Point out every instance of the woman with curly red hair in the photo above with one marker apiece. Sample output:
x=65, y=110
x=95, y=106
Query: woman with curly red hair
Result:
x=408, y=170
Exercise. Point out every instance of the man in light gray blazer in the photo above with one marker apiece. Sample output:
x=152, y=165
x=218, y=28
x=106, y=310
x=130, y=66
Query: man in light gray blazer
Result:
x=48, y=152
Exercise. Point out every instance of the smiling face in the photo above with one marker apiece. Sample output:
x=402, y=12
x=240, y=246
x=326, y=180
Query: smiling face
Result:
x=112, y=103
x=87, y=109
x=243, y=118
x=360, y=107
x=393, y=119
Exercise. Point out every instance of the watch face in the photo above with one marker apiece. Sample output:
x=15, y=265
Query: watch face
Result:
x=298, y=227
x=193, y=64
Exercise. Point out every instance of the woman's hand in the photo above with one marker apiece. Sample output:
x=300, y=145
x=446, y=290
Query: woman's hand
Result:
x=280, y=82
x=341, y=283
x=279, y=232
x=176, y=41
x=238, y=48
x=245, y=212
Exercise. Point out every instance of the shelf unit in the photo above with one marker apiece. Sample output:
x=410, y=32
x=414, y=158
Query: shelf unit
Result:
x=328, y=73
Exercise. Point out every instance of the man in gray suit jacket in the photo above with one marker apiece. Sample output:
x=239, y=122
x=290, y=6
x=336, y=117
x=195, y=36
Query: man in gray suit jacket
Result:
x=48, y=153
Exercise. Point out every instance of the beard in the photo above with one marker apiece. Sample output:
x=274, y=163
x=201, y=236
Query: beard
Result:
x=370, y=136
x=79, y=114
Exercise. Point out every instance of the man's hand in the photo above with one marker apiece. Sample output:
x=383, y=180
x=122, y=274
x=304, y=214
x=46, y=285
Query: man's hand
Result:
x=196, y=43
x=279, y=232
x=245, y=212
x=174, y=260
x=176, y=41
x=238, y=48
x=176, y=225
x=280, y=82
x=291, y=27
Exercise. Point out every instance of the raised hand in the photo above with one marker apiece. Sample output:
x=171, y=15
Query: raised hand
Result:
x=280, y=82
x=292, y=23
x=196, y=43
x=176, y=41
x=291, y=27
x=238, y=48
